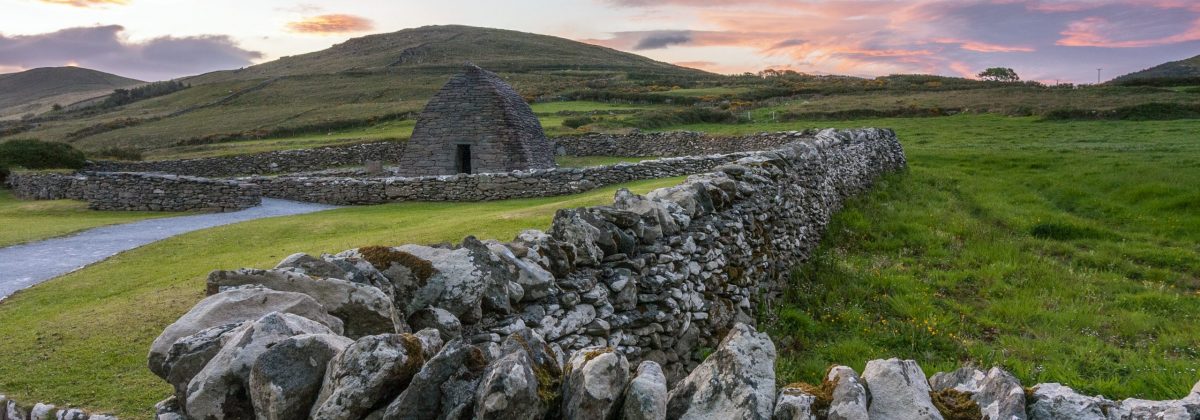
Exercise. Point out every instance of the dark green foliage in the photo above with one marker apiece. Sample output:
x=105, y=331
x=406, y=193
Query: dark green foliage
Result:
x=1160, y=81
x=119, y=153
x=36, y=154
x=126, y=96
x=1154, y=111
x=1063, y=231
x=4, y=171
x=56, y=107
x=689, y=115
x=999, y=74
x=911, y=112
x=576, y=122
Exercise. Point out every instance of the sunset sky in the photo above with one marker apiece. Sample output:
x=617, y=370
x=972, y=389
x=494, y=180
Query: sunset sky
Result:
x=1045, y=40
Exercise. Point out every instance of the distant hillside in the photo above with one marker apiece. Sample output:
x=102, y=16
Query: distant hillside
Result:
x=1182, y=69
x=33, y=90
x=443, y=49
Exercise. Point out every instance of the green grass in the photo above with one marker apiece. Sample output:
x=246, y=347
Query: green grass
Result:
x=1063, y=252
x=82, y=338
x=585, y=161
x=584, y=106
x=27, y=221
x=708, y=91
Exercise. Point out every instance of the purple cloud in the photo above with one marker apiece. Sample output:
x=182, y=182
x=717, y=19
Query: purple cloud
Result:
x=101, y=48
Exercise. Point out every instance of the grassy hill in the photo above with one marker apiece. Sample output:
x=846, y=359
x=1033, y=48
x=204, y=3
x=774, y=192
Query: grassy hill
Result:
x=37, y=90
x=1182, y=69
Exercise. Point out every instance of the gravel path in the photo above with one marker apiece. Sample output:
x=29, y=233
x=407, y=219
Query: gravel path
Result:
x=28, y=264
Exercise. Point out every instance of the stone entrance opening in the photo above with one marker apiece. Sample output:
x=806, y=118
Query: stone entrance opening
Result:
x=462, y=159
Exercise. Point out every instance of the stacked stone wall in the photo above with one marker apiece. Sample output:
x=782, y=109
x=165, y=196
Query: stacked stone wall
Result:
x=283, y=161
x=137, y=191
x=669, y=143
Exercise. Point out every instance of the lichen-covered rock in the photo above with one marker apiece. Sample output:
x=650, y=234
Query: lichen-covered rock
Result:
x=168, y=409
x=439, y=319
x=594, y=384
x=364, y=310
x=16, y=411
x=75, y=414
x=572, y=228
x=285, y=380
x=570, y=323
x=1132, y=408
x=1054, y=401
x=998, y=393
x=646, y=395
x=849, y=399
x=736, y=381
x=456, y=285
x=190, y=354
x=235, y=306
x=899, y=390
x=370, y=373
x=794, y=404
x=220, y=390
x=427, y=398
x=523, y=383
x=312, y=266
x=42, y=411
x=536, y=282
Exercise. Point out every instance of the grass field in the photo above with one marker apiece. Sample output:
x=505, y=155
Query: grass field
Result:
x=1064, y=252
x=59, y=343
x=26, y=221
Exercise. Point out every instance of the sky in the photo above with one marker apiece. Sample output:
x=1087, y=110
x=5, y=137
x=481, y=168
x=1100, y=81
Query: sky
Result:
x=1044, y=40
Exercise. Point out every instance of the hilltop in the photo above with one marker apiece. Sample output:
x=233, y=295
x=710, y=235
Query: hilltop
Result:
x=37, y=90
x=1182, y=69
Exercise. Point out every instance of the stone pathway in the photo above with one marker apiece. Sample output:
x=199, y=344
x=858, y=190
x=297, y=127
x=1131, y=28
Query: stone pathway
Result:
x=28, y=264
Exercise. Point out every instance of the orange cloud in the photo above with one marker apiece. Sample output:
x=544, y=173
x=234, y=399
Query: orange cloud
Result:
x=331, y=24
x=87, y=3
x=1093, y=32
x=984, y=47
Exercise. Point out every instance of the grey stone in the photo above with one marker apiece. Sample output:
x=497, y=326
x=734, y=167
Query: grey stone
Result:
x=232, y=307
x=736, y=381
x=220, y=390
x=520, y=384
x=849, y=399
x=363, y=309
x=899, y=390
x=312, y=266
x=594, y=384
x=285, y=380
x=456, y=286
x=189, y=355
x=439, y=319
x=42, y=411
x=368, y=374
x=1054, y=401
x=430, y=395
x=572, y=322
x=998, y=393
x=168, y=409
x=794, y=404
x=646, y=395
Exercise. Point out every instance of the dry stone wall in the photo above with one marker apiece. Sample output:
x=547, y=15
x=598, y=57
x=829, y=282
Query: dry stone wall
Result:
x=137, y=191
x=284, y=161
x=670, y=143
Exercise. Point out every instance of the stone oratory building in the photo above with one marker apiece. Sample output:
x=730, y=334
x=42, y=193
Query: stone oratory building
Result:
x=476, y=123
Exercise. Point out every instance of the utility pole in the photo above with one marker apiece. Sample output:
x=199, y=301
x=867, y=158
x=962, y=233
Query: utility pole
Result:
x=1098, y=75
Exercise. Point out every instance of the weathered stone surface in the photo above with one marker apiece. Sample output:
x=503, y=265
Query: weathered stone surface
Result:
x=364, y=310
x=646, y=396
x=569, y=323
x=190, y=354
x=1132, y=408
x=427, y=396
x=849, y=399
x=122, y=191
x=1054, y=401
x=899, y=390
x=16, y=411
x=312, y=266
x=439, y=319
x=42, y=411
x=794, y=404
x=736, y=381
x=457, y=284
x=220, y=390
x=285, y=380
x=594, y=384
x=998, y=393
x=370, y=373
x=522, y=383
x=232, y=307
x=168, y=409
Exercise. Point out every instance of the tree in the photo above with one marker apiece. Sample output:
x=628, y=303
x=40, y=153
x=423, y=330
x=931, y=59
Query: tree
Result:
x=999, y=74
x=56, y=107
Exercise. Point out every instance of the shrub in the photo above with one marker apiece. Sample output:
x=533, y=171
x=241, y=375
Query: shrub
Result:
x=1154, y=111
x=3, y=175
x=37, y=154
x=689, y=115
x=119, y=153
x=576, y=122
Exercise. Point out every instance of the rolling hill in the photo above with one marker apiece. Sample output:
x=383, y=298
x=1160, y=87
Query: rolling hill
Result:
x=361, y=81
x=1182, y=69
x=37, y=90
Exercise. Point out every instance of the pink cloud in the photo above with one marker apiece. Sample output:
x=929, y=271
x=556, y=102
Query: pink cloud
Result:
x=1095, y=32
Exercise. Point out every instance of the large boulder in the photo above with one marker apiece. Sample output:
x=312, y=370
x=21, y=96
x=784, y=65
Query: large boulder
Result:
x=232, y=307
x=426, y=397
x=848, y=399
x=794, y=404
x=646, y=395
x=1054, y=401
x=220, y=390
x=594, y=384
x=1133, y=408
x=189, y=355
x=736, y=381
x=371, y=372
x=998, y=394
x=455, y=281
x=899, y=390
x=285, y=380
x=364, y=310
x=312, y=266
x=523, y=383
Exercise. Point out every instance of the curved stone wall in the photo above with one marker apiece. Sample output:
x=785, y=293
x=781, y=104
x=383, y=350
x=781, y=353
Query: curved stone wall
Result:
x=283, y=161
x=137, y=191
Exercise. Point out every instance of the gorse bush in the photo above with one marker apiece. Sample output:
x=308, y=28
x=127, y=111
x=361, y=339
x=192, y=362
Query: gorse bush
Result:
x=690, y=115
x=37, y=154
x=118, y=153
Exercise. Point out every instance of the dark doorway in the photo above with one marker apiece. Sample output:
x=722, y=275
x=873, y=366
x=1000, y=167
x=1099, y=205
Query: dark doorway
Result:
x=462, y=159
